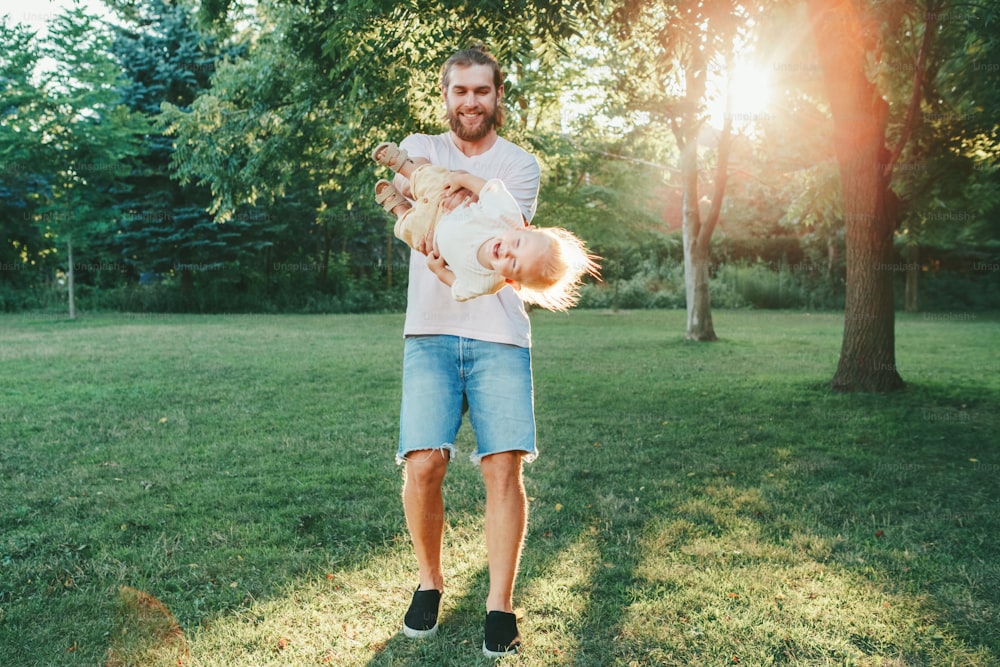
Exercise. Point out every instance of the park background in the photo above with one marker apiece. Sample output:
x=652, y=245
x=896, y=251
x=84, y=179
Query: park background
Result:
x=202, y=316
x=214, y=157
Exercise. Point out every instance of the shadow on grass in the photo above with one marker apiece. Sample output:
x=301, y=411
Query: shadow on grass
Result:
x=690, y=506
x=891, y=503
x=865, y=539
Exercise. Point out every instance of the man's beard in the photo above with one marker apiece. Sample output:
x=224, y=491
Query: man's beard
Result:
x=487, y=122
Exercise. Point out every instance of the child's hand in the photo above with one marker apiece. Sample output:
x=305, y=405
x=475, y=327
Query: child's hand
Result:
x=456, y=199
x=454, y=181
x=435, y=262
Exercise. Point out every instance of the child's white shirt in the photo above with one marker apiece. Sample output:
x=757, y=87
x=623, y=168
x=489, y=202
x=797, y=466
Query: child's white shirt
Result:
x=464, y=230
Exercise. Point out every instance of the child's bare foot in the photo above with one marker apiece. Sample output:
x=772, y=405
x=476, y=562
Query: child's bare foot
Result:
x=389, y=198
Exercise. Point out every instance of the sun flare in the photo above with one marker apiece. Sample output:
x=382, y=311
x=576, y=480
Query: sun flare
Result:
x=750, y=91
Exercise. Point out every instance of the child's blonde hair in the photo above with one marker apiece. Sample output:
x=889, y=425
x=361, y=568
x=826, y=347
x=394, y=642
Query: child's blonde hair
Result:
x=557, y=287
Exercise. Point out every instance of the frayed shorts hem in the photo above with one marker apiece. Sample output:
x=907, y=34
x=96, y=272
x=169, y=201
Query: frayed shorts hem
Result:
x=474, y=457
x=449, y=448
x=527, y=455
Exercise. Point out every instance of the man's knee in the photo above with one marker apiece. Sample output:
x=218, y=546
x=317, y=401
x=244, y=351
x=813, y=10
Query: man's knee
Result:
x=502, y=467
x=426, y=468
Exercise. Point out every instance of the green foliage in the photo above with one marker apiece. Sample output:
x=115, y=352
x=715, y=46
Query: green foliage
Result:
x=23, y=182
x=90, y=138
x=946, y=175
x=164, y=225
x=268, y=130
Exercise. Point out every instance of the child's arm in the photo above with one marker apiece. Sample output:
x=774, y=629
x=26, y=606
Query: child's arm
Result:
x=458, y=180
x=436, y=263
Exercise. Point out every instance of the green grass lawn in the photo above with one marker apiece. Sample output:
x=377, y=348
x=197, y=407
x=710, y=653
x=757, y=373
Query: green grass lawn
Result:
x=693, y=504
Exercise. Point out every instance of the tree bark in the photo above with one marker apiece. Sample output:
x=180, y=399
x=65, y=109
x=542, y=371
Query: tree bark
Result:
x=868, y=355
x=699, y=305
x=912, y=278
x=70, y=278
x=697, y=233
x=696, y=253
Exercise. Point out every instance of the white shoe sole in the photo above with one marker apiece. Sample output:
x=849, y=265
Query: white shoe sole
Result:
x=498, y=654
x=420, y=634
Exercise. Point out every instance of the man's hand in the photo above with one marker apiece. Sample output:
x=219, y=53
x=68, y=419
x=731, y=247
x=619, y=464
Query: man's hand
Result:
x=461, y=188
x=426, y=244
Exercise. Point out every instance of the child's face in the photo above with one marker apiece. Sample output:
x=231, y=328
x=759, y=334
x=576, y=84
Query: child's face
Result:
x=519, y=254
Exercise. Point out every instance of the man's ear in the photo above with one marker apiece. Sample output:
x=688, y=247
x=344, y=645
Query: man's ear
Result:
x=513, y=283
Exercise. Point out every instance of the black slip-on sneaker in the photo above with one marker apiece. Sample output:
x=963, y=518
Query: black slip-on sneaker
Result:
x=501, y=636
x=421, y=618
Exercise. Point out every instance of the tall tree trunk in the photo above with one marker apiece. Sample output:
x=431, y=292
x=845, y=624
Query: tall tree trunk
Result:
x=699, y=303
x=697, y=233
x=912, y=278
x=70, y=276
x=388, y=259
x=868, y=354
x=696, y=252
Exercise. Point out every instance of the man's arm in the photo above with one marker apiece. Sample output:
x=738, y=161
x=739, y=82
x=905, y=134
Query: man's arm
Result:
x=522, y=178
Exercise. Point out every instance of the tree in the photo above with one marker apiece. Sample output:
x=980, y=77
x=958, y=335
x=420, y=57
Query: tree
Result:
x=669, y=51
x=22, y=184
x=948, y=183
x=849, y=41
x=867, y=358
x=88, y=136
x=165, y=226
x=265, y=139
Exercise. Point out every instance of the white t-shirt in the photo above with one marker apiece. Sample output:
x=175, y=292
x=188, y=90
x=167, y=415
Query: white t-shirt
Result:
x=430, y=308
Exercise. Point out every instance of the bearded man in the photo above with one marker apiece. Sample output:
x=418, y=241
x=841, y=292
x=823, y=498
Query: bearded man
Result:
x=468, y=356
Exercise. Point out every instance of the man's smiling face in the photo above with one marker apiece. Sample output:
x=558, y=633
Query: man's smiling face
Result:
x=472, y=102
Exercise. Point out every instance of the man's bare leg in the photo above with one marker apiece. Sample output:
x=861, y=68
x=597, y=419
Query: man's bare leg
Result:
x=423, y=505
x=506, y=521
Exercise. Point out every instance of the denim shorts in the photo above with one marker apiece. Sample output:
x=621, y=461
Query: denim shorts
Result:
x=443, y=376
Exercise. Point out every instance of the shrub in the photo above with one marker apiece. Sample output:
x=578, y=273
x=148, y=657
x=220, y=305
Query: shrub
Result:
x=758, y=286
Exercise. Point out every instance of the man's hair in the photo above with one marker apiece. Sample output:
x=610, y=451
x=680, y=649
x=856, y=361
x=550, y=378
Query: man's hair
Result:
x=475, y=54
x=557, y=287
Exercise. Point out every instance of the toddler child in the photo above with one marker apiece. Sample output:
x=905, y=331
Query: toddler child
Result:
x=483, y=245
